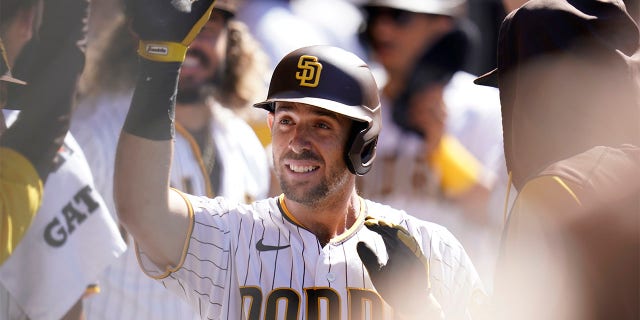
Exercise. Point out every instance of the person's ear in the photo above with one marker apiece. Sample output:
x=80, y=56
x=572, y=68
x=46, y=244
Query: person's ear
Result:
x=270, y=118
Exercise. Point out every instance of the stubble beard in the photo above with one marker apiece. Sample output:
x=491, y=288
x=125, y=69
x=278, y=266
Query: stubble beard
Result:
x=315, y=195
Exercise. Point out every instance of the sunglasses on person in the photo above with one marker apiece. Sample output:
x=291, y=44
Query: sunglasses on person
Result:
x=399, y=17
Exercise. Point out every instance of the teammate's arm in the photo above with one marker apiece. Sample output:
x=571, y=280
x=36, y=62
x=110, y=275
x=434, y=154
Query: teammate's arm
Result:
x=403, y=282
x=157, y=217
x=51, y=65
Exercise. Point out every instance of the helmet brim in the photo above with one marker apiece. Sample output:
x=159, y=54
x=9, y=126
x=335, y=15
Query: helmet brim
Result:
x=352, y=112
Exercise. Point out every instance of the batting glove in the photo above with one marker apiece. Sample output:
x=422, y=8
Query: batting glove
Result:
x=403, y=282
x=166, y=28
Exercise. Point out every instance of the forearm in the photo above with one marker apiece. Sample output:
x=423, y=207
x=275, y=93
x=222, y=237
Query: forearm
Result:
x=46, y=105
x=145, y=147
x=51, y=65
x=143, y=161
x=141, y=181
x=157, y=218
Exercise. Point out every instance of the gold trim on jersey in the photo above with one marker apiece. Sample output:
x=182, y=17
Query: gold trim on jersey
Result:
x=91, y=290
x=187, y=238
x=198, y=154
x=171, y=269
x=286, y=212
x=568, y=189
x=359, y=220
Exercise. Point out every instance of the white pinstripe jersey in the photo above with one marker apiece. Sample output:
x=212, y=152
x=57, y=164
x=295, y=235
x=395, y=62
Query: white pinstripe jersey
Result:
x=126, y=293
x=256, y=261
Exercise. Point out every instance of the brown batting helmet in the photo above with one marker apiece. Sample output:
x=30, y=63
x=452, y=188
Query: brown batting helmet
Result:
x=336, y=80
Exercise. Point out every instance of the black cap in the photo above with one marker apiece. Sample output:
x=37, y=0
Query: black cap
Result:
x=542, y=27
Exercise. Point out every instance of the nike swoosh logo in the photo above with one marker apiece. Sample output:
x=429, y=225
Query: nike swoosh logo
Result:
x=264, y=247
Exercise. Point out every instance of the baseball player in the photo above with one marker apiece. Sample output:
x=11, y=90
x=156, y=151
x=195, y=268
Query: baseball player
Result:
x=318, y=251
x=20, y=181
x=240, y=160
x=72, y=238
x=450, y=170
x=572, y=146
x=23, y=166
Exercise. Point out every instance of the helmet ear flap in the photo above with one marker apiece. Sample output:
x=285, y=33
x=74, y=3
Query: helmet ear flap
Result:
x=360, y=153
x=337, y=81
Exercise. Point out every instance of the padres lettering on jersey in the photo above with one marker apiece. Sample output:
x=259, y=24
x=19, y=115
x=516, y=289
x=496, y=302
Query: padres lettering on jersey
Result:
x=255, y=262
x=320, y=303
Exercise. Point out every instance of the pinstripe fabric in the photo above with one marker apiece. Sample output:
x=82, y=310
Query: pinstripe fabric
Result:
x=225, y=275
x=126, y=293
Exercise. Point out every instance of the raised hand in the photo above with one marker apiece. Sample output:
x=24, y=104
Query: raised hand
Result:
x=166, y=28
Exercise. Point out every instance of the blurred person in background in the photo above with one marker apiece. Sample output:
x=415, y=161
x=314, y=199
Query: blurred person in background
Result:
x=281, y=26
x=54, y=259
x=217, y=152
x=568, y=76
x=339, y=20
x=235, y=160
x=440, y=149
x=21, y=180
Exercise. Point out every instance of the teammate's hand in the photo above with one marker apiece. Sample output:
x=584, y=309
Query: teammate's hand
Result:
x=165, y=27
x=403, y=282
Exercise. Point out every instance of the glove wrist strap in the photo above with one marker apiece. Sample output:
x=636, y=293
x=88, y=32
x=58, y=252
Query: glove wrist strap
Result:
x=152, y=110
x=162, y=51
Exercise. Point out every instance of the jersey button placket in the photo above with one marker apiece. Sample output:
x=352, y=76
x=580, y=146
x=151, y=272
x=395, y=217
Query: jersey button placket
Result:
x=323, y=269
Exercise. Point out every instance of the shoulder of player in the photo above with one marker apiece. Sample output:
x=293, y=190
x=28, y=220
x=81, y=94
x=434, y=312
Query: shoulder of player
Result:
x=437, y=241
x=397, y=216
x=223, y=206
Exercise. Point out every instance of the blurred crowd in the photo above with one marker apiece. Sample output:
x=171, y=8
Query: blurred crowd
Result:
x=463, y=155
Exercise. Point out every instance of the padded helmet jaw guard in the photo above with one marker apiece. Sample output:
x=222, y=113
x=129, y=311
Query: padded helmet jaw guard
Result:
x=338, y=81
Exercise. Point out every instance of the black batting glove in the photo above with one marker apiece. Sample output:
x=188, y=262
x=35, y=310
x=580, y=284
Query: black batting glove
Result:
x=403, y=282
x=166, y=28
x=51, y=63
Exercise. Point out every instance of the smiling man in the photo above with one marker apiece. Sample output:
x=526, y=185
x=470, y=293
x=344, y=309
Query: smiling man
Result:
x=319, y=250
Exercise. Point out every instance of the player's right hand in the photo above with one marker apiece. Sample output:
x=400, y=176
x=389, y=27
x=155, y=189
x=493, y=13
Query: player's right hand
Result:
x=166, y=30
x=403, y=282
